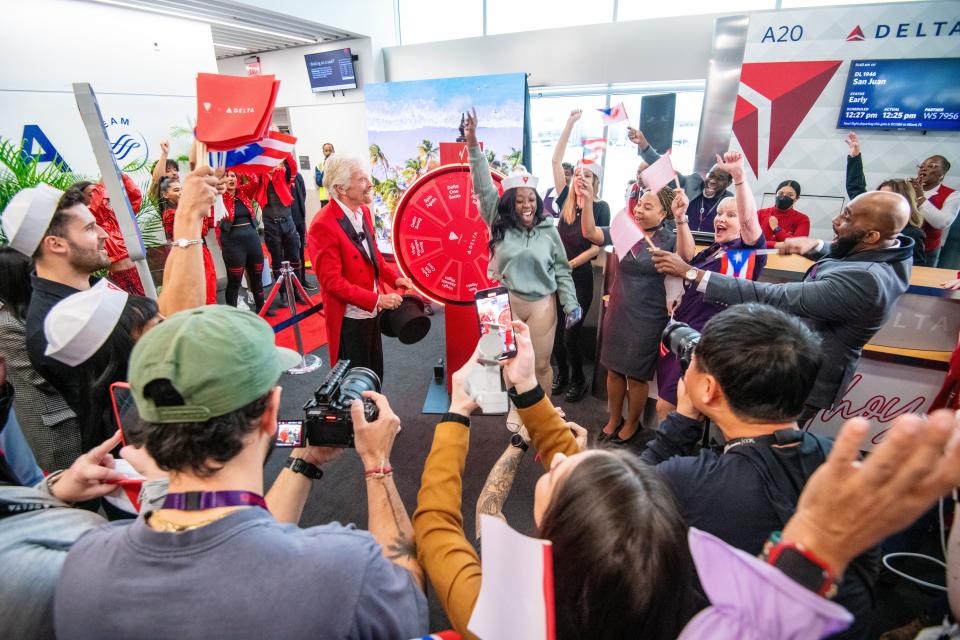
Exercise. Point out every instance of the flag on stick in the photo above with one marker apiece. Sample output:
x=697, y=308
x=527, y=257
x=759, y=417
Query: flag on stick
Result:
x=614, y=114
x=659, y=174
x=738, y=263
x=259, y=157
x=593, y=149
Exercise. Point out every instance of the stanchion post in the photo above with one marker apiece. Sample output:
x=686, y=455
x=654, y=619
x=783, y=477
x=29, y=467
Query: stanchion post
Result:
x=288, y=280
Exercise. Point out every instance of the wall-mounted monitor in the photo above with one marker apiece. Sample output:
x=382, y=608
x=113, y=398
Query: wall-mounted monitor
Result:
x=911, y=93
x=331, y=70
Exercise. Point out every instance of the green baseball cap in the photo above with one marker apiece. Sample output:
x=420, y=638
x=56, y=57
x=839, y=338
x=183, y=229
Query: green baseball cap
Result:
x=218, y=358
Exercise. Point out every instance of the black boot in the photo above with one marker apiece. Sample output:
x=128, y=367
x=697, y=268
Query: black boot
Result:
x=559, y=383
x=578, y=389
x=299, y=298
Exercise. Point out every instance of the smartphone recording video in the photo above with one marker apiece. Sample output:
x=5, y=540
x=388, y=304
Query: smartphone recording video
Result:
x=289, y=433
x=493, y=311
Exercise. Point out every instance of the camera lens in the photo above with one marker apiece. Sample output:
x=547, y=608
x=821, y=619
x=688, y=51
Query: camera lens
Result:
x=680, y=338
x=358, y=380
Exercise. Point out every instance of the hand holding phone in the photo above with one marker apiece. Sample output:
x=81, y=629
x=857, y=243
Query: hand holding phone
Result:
x=495, y=316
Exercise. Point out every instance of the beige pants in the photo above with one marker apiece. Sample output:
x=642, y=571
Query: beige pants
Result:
x=541, y=317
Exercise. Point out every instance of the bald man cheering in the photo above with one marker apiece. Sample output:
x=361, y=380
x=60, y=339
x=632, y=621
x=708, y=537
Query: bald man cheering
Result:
x=846, y=295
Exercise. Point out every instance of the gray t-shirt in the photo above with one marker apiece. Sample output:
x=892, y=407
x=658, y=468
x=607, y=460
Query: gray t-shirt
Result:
x=245, y=576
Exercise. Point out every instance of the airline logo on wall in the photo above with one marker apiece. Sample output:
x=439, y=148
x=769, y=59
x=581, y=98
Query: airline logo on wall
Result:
x=129, y=145
x=856, y=35
x=781, y=93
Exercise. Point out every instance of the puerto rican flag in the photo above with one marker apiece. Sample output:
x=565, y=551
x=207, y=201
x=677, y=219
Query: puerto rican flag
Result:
x=259, y=157
x=593, y=149
x=614, y=114
x=738, y=263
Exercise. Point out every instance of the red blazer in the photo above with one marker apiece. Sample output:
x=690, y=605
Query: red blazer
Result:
x=344, y=271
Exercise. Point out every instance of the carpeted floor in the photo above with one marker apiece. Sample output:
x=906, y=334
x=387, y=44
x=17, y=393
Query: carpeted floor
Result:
x=340, y=495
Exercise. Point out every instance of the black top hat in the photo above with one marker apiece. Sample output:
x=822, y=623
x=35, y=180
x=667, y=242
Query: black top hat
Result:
x=408, y=322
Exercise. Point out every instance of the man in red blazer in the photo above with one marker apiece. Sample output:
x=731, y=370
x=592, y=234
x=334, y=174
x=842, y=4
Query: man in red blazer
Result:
x=354, y=278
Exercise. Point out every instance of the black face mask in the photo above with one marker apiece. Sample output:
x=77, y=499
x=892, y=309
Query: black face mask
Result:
x=784, y=202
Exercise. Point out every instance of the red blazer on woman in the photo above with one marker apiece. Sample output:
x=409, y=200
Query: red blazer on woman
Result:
x=344, y=270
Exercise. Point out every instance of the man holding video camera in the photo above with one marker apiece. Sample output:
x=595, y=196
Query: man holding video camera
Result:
x=214, y=561
x=750, y=374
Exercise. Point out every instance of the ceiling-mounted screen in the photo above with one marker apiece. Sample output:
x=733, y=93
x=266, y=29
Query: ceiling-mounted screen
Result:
x=911, y=93
x=331, y=70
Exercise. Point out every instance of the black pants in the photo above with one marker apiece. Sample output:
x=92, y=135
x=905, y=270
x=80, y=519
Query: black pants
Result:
x=360, y=343
x=300, y=225
x=568, y=343
x=242, y=252
x=283, y=243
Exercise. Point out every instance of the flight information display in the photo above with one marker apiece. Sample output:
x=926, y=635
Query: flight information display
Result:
x=919, y=93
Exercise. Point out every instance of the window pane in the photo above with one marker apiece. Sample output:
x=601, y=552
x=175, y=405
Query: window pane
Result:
x=787, y=4
x=508, y=16
x=642, y=9
x=547, y=119
x=434, y=20
x=622, y=157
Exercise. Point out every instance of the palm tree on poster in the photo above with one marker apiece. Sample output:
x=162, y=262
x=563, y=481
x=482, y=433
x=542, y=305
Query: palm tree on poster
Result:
x=411, y=170
x=378, y=161
x=389, y=192
x=427, y=152
x=514, y=158
x=491, y=156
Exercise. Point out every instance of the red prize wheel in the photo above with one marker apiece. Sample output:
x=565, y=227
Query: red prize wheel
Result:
x=440, y=242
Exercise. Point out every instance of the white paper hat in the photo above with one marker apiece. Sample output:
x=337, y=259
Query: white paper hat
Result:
x=78, y=325
x=28, y=215
x=595, y=168
x=520, y=178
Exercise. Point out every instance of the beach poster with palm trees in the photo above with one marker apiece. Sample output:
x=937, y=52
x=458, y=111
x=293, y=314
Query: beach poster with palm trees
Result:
x=407, y=121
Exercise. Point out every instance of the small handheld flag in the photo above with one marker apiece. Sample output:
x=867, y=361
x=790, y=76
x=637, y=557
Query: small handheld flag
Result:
x=259, y=157
x=614, y=114
x=738, y=263
x=593, y=149
x=659, y=174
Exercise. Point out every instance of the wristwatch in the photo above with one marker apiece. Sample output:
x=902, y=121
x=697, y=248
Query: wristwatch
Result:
x=303, y=467
x=183, y=243
x=799, y=564
x=690, y=275
x=516, y=440
x=682, y=220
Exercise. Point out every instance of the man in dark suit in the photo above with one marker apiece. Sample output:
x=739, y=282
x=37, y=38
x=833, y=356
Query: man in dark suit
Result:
x=846, y=295
x=353, y=276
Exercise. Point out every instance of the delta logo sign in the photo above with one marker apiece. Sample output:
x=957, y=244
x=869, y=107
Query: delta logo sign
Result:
x=788, y=91
x=938, y=29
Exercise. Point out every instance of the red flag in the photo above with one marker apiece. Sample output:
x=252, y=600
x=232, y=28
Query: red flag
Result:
x=233, y=110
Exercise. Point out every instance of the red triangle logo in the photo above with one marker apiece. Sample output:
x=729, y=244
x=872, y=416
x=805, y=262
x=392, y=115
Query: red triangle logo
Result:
x=525, y=178
x=793, y=88
x=856, y=35
x=745, y=127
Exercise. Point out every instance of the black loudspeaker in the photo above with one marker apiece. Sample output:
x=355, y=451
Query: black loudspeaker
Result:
x=656, y=119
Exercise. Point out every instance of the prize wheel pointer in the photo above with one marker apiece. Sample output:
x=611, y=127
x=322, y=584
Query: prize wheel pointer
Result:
x=439, y=239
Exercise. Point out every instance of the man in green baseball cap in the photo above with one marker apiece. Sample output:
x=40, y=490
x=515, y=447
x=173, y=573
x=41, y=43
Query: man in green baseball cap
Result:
x=205, y=382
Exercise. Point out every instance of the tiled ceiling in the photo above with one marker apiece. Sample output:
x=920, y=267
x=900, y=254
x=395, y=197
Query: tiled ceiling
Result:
x=239, y=29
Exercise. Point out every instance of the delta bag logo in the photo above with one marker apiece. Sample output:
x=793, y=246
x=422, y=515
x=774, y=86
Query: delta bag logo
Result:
x=236, y=110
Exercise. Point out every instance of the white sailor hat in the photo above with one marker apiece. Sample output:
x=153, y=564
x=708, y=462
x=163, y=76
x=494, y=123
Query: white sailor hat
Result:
x=78, y=325
x=519, y=178
x=28, y=215
x=595, y=168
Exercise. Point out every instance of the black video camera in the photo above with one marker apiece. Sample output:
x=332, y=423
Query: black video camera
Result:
x=328, y=422
x=681, y=339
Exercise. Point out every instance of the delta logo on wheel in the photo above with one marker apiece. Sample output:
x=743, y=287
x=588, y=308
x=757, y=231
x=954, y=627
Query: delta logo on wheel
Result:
x=784, y=92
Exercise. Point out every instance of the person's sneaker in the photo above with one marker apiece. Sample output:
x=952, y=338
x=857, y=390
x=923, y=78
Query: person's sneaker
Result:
x=576, y=391
x=559, y=385
x=308, y=285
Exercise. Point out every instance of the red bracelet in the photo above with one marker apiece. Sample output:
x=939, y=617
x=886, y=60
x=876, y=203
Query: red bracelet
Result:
x=379, y=472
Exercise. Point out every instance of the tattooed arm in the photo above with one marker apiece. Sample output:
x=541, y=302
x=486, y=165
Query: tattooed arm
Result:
x=499, y=482
x=388, y=520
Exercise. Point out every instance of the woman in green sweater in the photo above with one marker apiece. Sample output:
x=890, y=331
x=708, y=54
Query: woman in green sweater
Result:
x=526, y=254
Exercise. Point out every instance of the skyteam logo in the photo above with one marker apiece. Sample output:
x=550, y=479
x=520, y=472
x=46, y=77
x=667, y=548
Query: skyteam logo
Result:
x=129, y=146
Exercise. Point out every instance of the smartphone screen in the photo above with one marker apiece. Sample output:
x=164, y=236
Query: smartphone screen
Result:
x=290, y=433
x=124, y=410
x=493, y=311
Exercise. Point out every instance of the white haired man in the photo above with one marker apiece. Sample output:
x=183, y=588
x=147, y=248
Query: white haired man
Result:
x=352, y=273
